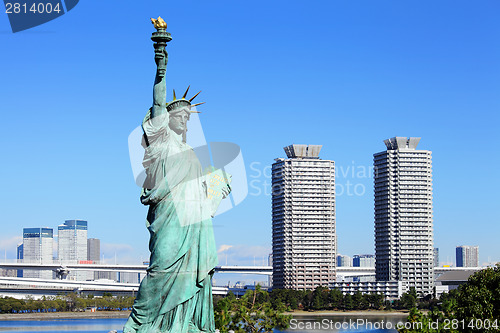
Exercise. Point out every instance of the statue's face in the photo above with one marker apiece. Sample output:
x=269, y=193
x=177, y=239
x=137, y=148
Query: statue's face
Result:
x=178, y=121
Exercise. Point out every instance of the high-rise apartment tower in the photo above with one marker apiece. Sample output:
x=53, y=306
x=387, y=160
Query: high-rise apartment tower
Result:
x=303, y=215
x=403, y=215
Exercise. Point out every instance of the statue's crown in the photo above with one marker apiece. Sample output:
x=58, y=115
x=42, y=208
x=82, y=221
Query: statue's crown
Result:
x=183, y=102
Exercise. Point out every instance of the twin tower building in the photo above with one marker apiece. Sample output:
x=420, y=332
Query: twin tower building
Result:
x=72, y=246
x=303, y=216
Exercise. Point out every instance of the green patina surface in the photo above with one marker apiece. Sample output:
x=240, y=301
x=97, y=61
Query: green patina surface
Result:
x=176, y=294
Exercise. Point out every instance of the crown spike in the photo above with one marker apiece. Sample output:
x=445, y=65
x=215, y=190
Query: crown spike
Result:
x=195, y=111
x=184, y=96
x=198, y=104
x=174, y=95
x=194, y=96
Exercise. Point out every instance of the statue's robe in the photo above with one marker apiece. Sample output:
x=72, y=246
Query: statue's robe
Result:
x=176, y=294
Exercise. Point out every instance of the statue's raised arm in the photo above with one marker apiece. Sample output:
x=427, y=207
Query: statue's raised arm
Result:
x=160, y=37
x=160, y=87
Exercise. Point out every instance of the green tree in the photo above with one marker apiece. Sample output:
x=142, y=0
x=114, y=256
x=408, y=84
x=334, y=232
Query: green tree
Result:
x=425, y=323
x=9, y=304
x=223, y=310
x=357, y=299
x=479, y=299
x=293, y=302
x=320, y=298
x=409, y=299
x=307, y=299
x=375, y=300
x=335, y=298
x=473, y=307
x=348, y=303
x=253, y=312
x=448, y=303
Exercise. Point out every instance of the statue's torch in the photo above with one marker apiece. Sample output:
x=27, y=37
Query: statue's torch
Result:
x=161, y=37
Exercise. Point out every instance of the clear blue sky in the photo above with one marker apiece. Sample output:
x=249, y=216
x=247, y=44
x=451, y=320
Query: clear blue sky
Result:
x=344, y=74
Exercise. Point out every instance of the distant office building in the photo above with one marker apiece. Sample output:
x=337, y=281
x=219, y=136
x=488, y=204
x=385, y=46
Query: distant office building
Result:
x=436, y=257
x=467, y=256
x=344, y=261
x=363, y=260
x=72, y=246
x=94, y=249
x=303, y=215
x=37, y=248
x=403, y=214
x=20, y=257
x=94, y=256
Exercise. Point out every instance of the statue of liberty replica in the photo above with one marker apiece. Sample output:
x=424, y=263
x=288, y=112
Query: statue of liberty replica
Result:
x=176, y=294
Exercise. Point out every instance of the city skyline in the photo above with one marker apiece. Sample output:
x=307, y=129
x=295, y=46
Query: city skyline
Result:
x=95, y=243
x=374, y=70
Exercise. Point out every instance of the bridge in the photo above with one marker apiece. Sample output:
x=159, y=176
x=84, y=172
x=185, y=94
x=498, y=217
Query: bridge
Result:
x=262, y=270
x=21, y=287
x=63, y=268
x=37, y=288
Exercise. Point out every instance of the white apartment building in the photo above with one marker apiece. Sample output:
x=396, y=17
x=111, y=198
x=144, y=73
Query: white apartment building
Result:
x=303, y=219
x=403, y=214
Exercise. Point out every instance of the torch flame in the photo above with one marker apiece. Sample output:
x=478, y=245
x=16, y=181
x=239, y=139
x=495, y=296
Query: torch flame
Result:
x=159, y=23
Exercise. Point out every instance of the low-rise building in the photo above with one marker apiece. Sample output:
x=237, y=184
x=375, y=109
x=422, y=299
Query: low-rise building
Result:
x=391, y=289
x=451, y=280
